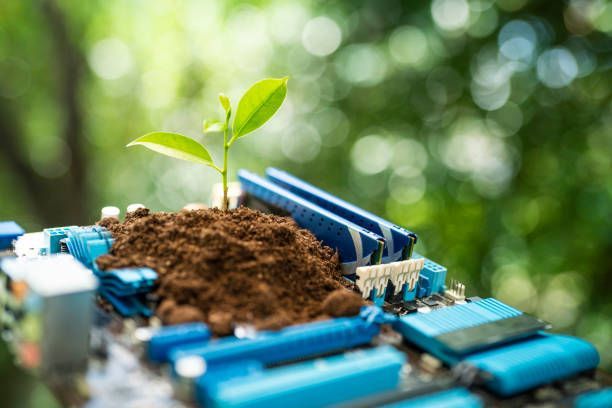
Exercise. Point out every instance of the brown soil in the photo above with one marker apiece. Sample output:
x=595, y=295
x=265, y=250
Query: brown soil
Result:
x=238, y=266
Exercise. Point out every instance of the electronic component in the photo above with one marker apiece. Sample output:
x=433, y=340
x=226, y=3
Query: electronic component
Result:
x=355, y=244
x=110, y=212
x=53, y=236
x=55, y=294
x=399, y=242
x=30, y=245
x=519, y=366
x=456, y=291
x=9, y=231
x=163, y=340
x=453, y=398
x=435, y=275
x=452, y=332
x=595, y=399
x=124, y=289
x=320, y=382
x=401, y=274
x=293, y=342
x=87, y=243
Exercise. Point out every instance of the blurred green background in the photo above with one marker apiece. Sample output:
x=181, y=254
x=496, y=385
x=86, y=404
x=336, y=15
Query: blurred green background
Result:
x=484, y=126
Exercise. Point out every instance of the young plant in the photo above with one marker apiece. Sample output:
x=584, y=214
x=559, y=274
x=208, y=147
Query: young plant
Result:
x=258, y=104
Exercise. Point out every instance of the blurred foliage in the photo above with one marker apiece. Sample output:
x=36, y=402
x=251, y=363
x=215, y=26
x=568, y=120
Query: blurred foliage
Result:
x=482, y=125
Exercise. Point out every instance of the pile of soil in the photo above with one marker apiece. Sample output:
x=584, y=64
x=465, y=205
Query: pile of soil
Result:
x=232, y=267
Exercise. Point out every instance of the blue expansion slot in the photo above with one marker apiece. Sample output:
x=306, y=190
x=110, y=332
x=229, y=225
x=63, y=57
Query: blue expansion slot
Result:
x=9, y=231
x=453, y=398
x=399, y=242
x=453, y=332
x=355, y=244
x=523, y=365
x=320, y=382
x=293, y=342
x=169, y=337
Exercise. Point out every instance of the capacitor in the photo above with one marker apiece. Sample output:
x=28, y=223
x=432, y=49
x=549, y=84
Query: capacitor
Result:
x=110, y=212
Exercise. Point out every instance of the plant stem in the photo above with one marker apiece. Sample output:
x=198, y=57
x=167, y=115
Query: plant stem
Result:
x=225, y=204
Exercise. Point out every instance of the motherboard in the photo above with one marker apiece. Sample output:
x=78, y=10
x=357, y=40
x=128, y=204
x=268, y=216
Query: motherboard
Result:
x=420, y=340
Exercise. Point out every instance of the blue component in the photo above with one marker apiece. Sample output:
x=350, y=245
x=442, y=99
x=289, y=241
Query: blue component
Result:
x=453, y=398
x=423, y=287
x=216, y=374
x=436, y=274
x=316, y=383
x=53, y=236
x=378, y=300
x=87, y=243
x=9, y=231
x=527, y=364
x=354, y=243
x=397, y=239
x=128, y=281
x=294, y=342
x=125, y=289
x=424, y=329
x=166, y=338
x=595, y=399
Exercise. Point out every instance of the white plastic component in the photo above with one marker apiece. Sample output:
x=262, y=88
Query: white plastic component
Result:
x=233, y=194
x=399, y=273
x=134, y=207
x=456, y=291
x=30, y=245
x=110, y=212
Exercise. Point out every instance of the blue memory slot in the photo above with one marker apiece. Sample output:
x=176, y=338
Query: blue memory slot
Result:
x=453, y=398
x=318, y=383
x=397, y=239
x=355, y=244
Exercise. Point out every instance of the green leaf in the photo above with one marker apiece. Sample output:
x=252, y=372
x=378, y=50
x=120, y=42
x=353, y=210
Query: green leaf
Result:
x=212, y=125
x=258, y=104
x=175, y=145
x=225, y=102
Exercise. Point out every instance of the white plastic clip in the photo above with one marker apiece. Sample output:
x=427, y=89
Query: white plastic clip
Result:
x=399, y=273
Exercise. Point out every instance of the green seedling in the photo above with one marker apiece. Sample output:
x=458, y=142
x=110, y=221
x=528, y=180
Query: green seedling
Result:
x=258, y=104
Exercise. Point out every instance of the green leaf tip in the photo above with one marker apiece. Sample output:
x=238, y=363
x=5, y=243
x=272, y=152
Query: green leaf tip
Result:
x=174, y=145
x=258, y=104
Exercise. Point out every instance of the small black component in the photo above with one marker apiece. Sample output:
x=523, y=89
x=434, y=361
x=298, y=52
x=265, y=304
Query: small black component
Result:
x=498, y=331
x=473, y=299
x=430, y=301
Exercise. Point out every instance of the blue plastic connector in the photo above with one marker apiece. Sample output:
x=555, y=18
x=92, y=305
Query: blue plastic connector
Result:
x=423, y=287
x=9, y=231
x=87, y=243
x=355, y=244
x=53, y=236
x=595, y=399
x=294, y=342
x=398, y=241
x=169, y=337
x=520, y=366
x=127, y=281
x=436, y=275
x=453, y=332
x=453, y=398
x=318, y=383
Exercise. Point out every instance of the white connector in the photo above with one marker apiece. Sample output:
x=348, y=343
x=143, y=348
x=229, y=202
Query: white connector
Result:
x=456, y=291
x=30, y=245
x=399, y=273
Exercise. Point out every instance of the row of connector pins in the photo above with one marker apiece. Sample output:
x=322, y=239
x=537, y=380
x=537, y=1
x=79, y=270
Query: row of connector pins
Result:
x=456, y=291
